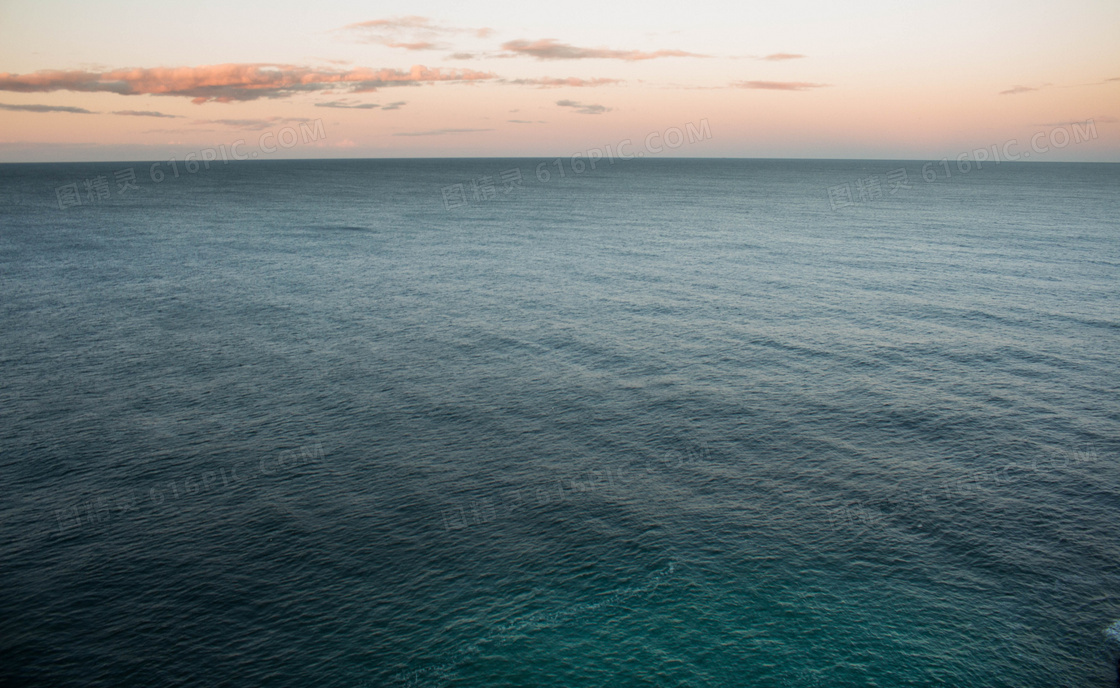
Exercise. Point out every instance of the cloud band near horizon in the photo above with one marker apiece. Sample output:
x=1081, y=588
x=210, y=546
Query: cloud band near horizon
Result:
x=226, y=83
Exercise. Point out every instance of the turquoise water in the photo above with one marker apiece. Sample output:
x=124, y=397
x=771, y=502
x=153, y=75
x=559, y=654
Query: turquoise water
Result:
x=663, y=423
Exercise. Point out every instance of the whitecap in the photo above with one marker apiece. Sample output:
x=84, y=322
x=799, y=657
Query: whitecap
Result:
x=1113, y=631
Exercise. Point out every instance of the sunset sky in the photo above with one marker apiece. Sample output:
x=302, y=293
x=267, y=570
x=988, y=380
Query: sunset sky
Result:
x=873, y=79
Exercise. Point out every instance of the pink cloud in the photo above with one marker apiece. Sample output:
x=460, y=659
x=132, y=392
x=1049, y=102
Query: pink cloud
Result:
x=549, y=49
x=419, y=31
x=418, y=45
x=778, y=57
x=409, y=22
x=231, y=82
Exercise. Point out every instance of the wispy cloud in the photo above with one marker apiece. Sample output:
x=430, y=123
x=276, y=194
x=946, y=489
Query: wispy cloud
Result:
x=1019, y=88
x=779, y=85
x=395, y=106
x=251, y=124
x=414, y=23
x=348, y=106
x=779, y=57
x=410, y=33
x=439, y=132
x=230, y=82
x=393, y=23
x=143, y=113
x=46, y=108
x=550, y=82
x=584, y=109
x=526, y=121
x=417, y=45
x=1103, y=120
x=549, y=49
x=176, y=131
x=1016, y=90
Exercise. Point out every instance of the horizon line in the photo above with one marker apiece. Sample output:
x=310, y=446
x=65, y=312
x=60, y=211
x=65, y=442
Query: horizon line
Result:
x=565, y=156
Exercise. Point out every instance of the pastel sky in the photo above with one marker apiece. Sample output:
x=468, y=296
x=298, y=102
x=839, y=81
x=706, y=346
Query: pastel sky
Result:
x=131, y=80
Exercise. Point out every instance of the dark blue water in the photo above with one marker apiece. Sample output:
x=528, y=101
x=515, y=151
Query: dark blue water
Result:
x=663, y=423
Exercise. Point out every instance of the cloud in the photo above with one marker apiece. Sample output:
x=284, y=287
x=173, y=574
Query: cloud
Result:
x=230, y=82
x=46, y=108
x=549, y=82
x=549, y=49
x=584, y=109
x=417, y=45
x=348, y=106
x=410, y=33
x=778, y=57
x=1016, y=90
x=410, y=22
x=360, y=106
x=1019, y=88
x=461, y=56
x=439, y=132
x=143, y=113
x=175, y=131
x=526, y=121
x=251, y=124
x=779, y=85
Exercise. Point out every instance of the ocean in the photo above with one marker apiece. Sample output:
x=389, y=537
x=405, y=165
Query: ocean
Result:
x=506, y=422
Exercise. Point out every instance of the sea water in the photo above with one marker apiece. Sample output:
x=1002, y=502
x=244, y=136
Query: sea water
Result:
x=459, y=422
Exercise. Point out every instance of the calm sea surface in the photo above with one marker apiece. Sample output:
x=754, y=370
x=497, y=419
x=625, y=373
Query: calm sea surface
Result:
x=662, y=423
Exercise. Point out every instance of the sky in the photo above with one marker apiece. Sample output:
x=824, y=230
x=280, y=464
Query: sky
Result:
x=125, y=80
